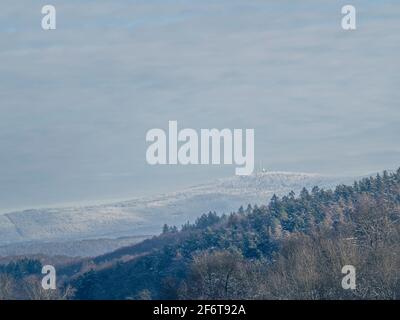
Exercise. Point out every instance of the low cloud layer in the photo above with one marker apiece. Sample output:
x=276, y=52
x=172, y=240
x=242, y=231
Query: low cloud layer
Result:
x=77, y=102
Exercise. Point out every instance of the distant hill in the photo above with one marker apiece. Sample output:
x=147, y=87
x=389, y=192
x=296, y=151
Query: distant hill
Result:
x=61, y=231
x=74, y=248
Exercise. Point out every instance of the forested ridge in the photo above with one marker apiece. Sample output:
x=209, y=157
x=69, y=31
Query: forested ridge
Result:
x=292, y=247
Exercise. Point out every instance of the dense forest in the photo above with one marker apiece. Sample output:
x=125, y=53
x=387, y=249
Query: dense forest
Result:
x=292, y=247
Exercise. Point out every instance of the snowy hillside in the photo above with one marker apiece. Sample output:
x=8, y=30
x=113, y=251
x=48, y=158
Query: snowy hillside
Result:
x=145, y=216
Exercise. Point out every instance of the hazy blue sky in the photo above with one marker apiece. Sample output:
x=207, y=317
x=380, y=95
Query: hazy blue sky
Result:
x=76, y=103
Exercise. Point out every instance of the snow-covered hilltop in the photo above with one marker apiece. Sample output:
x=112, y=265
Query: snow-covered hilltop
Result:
x=145, y=216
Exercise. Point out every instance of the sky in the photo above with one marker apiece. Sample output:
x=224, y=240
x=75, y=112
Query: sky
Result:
x=76, y=102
